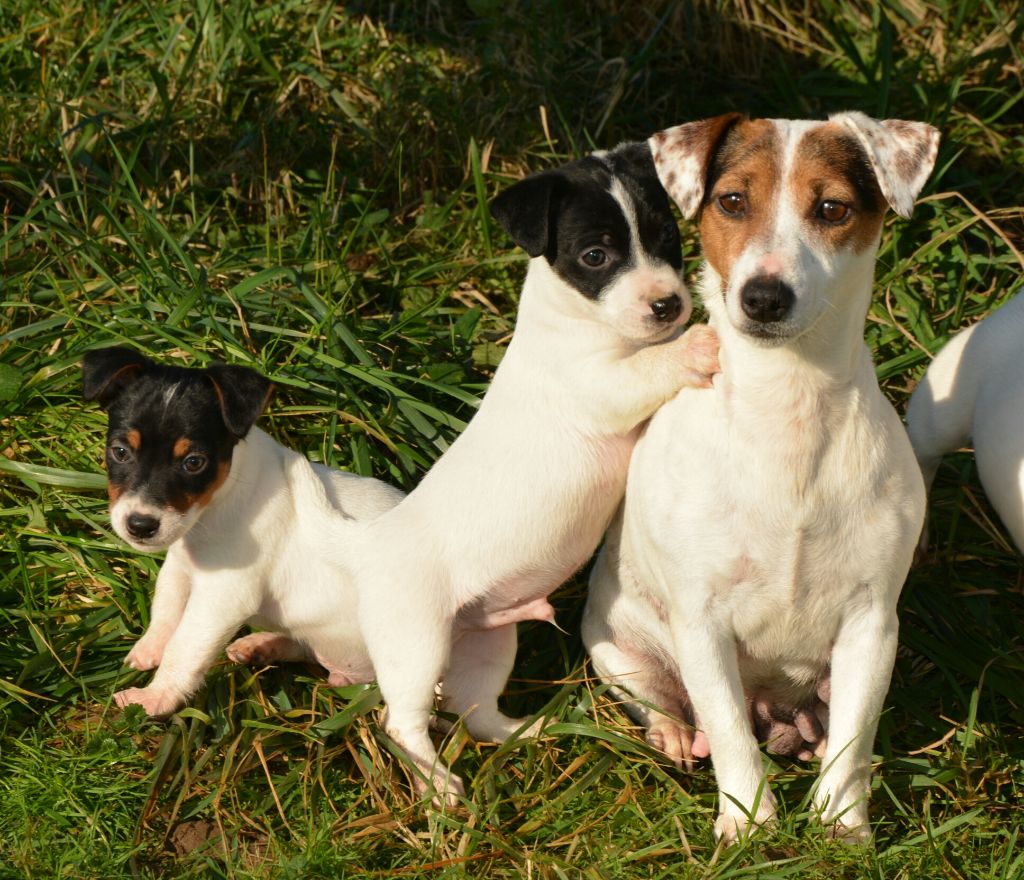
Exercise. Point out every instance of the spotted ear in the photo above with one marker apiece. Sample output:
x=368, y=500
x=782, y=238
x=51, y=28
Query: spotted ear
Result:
x=901, y=153
x=682, y=155
x=524, y=210
x=106, y=372
x=243, y=394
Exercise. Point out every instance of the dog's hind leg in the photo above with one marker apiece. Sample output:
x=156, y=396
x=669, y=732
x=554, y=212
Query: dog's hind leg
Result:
x=652, y=696
x=480, y=664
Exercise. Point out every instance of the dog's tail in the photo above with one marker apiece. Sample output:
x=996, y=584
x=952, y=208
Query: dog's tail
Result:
x=316, y=512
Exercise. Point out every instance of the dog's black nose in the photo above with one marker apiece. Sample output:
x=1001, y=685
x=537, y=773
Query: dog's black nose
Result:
x=667, y=308
x=766, y=299
x=142, y=526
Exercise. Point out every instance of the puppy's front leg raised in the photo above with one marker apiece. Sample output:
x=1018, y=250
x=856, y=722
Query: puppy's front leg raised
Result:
x=173, y=584
x=708, y=663
x=862, y=659
x=215, y=610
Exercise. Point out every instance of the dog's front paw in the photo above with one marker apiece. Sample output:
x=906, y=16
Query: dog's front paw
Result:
x=146, y=653
x=444, y=787
x=155, y=702
x=733, y=825
x=850, y=834
x=699, y=353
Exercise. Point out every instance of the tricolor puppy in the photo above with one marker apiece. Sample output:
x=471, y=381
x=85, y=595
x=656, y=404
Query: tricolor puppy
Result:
x=769, y=524
x=242, y=519
x=520, y=500
x=974, y=390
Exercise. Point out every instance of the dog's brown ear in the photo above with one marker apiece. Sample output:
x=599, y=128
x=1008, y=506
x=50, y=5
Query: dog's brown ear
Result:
x=682, y=155
x=106, y=372
x=901, y=153
x=243, y=394
x=524, y=210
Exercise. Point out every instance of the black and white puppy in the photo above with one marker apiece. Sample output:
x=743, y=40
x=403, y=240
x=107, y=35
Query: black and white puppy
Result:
x=519, y=502
x=241, y=517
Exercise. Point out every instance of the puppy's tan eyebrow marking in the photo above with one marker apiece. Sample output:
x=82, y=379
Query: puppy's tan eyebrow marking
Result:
x=181, y=447
x=134, y=438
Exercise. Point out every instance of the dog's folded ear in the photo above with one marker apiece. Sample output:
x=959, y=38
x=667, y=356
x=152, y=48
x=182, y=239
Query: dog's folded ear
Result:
x=682, y=155
x=243, y=394
x=524, y=210
x=106, y=372
x=901, y=154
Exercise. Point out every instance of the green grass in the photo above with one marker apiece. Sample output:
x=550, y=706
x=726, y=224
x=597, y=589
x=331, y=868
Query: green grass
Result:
x=301, y=187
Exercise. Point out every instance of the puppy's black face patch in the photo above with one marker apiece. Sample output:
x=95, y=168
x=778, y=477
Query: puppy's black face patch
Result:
x=595, y=219
x=166, y=440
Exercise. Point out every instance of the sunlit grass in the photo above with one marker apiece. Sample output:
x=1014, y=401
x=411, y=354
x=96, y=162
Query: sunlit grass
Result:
x=302, y=187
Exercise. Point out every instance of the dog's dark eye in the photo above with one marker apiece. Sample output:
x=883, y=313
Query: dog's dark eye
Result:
x=832, y=211
x=194, y=463
x=733, y=203
x=594, y=257
x=119, y=453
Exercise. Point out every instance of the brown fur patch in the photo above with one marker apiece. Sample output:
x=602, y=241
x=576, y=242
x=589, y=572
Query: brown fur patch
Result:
x=831, y=165
x=113, y=493
x=747, y=163
x=134, y=439
x=188, y=500
x=181, y=447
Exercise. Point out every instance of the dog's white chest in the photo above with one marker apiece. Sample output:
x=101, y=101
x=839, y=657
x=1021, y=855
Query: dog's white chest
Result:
x=786, y=518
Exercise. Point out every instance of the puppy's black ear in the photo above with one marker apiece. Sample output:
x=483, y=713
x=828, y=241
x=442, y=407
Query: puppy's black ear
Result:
x=634, y=156
x=524, y=210
x=243, y=394
x=106, y=372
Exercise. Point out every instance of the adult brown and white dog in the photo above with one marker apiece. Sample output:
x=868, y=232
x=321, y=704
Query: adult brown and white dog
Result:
x=769, y=525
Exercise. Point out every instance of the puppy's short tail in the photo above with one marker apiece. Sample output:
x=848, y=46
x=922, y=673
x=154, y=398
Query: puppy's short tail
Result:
x=315, y=510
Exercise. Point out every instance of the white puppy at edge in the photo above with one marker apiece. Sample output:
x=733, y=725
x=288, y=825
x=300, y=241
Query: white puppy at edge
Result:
x=242, y=519
x=974, y=390
x=522, y=497
x=769, y=525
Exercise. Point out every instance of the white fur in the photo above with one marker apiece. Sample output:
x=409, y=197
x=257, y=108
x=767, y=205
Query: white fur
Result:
x=767, y=529
x=517, y=504
x=255, y=554
x=974, y=389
